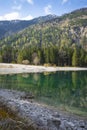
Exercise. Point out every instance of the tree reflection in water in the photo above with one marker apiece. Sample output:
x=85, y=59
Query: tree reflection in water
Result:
x=65, y=90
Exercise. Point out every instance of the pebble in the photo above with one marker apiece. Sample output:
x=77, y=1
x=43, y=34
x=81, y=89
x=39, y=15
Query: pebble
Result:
x=42, y=117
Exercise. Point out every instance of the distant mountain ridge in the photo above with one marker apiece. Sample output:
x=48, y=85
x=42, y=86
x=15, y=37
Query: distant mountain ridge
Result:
x=10, y=27
x=54, y=29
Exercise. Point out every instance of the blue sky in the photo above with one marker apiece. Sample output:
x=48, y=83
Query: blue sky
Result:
x=29, y=9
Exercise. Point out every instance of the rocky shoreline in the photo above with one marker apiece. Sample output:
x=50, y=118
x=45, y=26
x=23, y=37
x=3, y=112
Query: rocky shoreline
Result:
x=20, y=68
x=37, y=116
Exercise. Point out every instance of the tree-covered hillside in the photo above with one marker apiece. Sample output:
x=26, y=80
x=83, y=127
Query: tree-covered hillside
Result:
x=61, y=41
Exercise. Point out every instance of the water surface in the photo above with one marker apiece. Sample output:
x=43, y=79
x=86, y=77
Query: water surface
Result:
x=63, y=90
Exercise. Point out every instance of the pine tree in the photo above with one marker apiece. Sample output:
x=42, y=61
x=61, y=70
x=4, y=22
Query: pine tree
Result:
x=75, y=58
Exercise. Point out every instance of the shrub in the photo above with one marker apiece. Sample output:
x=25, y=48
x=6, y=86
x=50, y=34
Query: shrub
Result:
x=26, y=62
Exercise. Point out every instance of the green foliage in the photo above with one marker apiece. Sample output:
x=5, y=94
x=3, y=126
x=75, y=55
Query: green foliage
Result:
x=75, y=58
x=0, y=58
x=52, y=42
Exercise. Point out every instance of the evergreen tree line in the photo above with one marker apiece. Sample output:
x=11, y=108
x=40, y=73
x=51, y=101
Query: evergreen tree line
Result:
x=51, y=55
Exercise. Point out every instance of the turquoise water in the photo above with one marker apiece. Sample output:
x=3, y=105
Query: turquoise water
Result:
x=66, y=91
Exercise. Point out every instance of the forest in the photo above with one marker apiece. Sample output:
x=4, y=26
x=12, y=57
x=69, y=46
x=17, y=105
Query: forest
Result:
x=59, y=41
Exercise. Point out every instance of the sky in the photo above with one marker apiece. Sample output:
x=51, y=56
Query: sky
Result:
x=29, y=9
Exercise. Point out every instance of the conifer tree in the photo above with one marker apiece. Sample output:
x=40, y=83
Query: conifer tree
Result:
x=75, y=58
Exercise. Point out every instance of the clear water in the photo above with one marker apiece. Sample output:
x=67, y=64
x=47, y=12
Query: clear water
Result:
x=63, y=90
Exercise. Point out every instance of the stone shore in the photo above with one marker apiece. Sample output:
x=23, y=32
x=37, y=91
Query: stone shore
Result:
x=20, y=68
x=38, y=116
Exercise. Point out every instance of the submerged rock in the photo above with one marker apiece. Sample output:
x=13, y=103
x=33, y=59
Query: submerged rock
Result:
x=36, y=115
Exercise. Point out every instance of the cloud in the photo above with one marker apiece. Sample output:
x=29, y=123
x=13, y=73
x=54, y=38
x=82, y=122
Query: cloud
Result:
x=15, y=2
x=47, y=9
x=64, y=1
x=15, y=16
x=22, y=1
x=10, y=16
x=17, y=7
x=30, y=2
x=29, y=17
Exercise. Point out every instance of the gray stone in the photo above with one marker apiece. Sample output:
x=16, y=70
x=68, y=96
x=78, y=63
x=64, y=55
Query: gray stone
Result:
x=37, y=115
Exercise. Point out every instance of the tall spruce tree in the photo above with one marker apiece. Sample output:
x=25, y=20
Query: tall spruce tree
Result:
x=75, y=58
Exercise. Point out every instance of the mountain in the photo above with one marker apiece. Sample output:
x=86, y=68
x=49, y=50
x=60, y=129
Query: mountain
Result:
x=48, y=30
x=10, y=27
x=51, y=39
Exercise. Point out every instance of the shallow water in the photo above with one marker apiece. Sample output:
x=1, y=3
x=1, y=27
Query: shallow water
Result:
x=66, y=91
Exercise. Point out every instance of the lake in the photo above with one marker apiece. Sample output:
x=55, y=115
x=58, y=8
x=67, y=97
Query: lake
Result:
x=63, y=90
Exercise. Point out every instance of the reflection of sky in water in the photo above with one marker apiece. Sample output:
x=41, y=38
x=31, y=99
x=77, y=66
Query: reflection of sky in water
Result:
x=67, y=90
